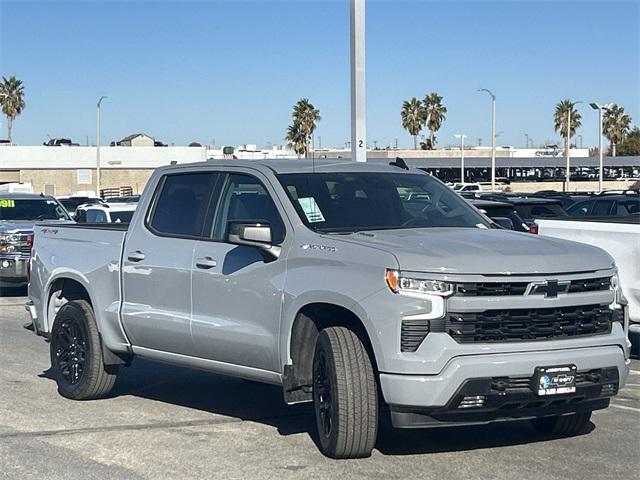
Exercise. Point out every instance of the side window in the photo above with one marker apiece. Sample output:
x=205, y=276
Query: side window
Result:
x=181, y=204
x=96, y=216
x=602, y=208
x=580, y=209
x=245, y=198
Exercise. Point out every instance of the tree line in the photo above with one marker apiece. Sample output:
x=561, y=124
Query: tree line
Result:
x=616, y=126
x=415, y=114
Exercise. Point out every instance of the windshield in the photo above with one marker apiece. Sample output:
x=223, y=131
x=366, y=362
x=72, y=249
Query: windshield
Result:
x=36, y=209
x=347, y=202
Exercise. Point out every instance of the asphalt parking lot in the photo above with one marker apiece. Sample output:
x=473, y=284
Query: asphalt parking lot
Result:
x=169, y=422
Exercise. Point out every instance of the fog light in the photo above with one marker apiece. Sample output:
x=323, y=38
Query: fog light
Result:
x=473, y=401
x=5, y=263
x=609, y=389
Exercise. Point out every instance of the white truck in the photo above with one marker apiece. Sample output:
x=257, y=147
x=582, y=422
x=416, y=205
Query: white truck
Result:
x=620, y=238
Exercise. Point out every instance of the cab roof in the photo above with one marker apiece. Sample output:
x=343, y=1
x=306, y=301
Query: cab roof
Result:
x=306, y=165
x=25, y=196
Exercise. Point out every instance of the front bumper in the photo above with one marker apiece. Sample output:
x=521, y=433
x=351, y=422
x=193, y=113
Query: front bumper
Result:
x=424, y=400
x=13, y=271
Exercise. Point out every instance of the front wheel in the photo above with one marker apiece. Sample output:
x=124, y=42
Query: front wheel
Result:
x=76, y=354
x=563, y=425
x=345, y=395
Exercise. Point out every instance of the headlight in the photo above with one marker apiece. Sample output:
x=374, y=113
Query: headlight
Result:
x=417, y=287
x=9, y=238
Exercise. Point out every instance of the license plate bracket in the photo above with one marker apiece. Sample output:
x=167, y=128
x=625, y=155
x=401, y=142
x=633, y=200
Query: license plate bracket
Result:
x=554, y=380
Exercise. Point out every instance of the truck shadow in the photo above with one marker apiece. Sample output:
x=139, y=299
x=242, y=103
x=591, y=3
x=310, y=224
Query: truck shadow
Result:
x=256, y=402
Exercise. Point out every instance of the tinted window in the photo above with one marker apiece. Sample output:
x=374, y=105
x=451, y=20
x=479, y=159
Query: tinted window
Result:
x=579, y=209
x=36, y=209
x=181, y=205
x=602, y=208
x=245, y=199
x=343, y=202
x=96, y=216
x=628, y=207
x=121, y=217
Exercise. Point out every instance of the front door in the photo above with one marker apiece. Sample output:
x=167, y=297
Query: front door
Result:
x=237, y=290
x=156, y=272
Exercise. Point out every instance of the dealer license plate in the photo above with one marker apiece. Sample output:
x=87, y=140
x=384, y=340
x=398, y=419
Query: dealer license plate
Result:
x=555, y=380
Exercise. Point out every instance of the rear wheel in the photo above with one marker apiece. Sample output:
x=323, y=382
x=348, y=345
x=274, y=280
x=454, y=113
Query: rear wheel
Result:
x=564, y=425
x=76, y=354
x=344, y=394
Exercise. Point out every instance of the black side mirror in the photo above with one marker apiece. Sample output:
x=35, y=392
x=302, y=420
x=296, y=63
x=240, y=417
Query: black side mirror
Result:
x=253, y=234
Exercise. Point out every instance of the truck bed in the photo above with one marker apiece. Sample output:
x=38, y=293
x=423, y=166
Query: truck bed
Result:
x=93, y=253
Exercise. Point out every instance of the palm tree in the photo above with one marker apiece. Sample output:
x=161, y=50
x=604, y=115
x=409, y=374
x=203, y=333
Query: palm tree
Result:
x=305, y=119
x=412, y=115
x=561, y=118
x=615, y=125
x=12, y=100
x=296, y=139
x=434, y=116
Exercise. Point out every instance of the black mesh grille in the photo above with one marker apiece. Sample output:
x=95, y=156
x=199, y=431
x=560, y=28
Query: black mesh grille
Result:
x=412, y=334
x=529, y=324
x=498, y=289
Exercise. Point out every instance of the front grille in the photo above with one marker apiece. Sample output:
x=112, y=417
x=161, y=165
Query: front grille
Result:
x=412, y=334
x=499, y=289
x=529, y=324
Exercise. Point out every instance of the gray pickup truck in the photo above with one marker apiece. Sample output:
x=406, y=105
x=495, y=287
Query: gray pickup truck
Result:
x=366, y=289
x=18, y=213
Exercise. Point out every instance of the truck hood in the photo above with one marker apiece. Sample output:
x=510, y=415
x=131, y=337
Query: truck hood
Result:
x=484, y=251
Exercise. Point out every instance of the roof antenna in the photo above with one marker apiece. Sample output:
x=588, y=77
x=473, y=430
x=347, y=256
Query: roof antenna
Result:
x=400, y=163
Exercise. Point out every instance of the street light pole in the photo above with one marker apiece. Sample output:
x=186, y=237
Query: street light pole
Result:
x=461, y=137
x=98, y=144
x=600, y=108
x=358, y=118
x=526, y=136
x=493, y=137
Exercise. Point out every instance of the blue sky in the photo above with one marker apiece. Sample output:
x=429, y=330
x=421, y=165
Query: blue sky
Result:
x=231, y=70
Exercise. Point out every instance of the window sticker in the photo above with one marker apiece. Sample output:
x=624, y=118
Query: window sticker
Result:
x=311, y=209
x=7, y=203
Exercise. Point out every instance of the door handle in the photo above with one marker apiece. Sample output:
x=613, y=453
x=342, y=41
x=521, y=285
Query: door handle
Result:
x=135, y=256
x=206, y=262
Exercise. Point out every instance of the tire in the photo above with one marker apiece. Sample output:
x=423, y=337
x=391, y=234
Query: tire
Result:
x=564, y=425
x=345, y=395
x=76, y=354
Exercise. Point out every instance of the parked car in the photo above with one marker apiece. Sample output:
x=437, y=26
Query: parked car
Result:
x=72, y=202
x=501, y=211
x=607, y=205
x=320, y=278
x=530, y=208
x=105, y=213
x=18, y=213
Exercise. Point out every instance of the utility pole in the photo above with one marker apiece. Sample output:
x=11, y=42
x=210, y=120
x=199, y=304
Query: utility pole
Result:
x=493, y=137
x=358, y=118
x=461, y=136
x=98, y=144
x=568, y=146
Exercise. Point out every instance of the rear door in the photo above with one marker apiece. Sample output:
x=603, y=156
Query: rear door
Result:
x=237, y=290
x=157, y=261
